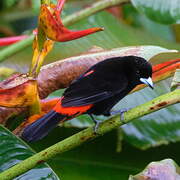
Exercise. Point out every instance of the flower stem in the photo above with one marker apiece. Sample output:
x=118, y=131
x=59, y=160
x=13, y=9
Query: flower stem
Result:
x=88, y=134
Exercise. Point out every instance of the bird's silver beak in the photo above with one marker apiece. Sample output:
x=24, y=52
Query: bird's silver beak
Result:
x=147, y=81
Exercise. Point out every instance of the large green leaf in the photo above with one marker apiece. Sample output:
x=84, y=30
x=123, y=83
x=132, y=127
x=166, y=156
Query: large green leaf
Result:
x=13, y=151
x=136, y=19
x=98, y=159
x=163, y=11
x=158, y=128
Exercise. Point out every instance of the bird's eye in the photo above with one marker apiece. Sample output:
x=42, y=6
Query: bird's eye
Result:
x=138, y=72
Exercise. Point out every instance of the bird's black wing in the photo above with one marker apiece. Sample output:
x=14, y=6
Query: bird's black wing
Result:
x=98, y=83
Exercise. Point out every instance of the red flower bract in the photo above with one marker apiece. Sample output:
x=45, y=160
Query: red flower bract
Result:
x=50, y=22
x=11, y=40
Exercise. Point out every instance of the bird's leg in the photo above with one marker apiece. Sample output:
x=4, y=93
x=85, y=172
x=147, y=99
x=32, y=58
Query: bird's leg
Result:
x=121, y=113
x=96, y=122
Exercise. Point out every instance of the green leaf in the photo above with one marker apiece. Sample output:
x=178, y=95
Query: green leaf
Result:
x=162, y=11
x=13, y=151
x=98, y=158
x=162, y=170
x=161, y=127
x=9, y=3
x=136, y=19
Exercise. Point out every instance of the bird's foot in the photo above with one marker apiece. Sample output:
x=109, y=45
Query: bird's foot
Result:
x=121, y=113
x=96, y=122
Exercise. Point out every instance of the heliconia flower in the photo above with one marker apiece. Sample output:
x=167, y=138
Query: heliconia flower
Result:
x=11, y=40
x=18, y=91
x=50, y=22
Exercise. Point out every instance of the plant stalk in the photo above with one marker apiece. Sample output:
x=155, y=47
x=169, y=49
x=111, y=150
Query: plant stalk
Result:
x=88, y=134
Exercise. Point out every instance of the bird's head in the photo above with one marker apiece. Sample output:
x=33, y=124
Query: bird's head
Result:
x=141, y=70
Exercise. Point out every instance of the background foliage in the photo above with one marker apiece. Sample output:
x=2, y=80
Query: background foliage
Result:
x=136, y=23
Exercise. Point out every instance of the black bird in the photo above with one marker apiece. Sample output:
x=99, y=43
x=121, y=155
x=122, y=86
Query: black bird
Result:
x=95, y=92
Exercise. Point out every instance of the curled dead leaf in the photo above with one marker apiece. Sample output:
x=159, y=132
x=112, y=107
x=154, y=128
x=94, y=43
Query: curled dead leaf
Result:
x=18, y=91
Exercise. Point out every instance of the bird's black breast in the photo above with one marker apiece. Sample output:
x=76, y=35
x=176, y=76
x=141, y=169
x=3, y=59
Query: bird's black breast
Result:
x=100, y=82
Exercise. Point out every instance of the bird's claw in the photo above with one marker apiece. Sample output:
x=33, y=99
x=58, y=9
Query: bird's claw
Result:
x=121, y=113
x=97, y=123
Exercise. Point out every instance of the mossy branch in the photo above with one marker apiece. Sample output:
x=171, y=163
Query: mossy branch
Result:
x=69, y=20
x=88, y=134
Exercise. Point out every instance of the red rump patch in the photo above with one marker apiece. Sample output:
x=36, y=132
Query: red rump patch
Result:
x=70, y=111
x=88, y=73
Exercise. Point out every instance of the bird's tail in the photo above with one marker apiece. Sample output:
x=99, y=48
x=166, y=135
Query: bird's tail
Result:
x=40, y=128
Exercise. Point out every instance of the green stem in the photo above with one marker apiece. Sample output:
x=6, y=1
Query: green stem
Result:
x=88, y=134
x=69, y=20
x=12, y=49
x=94, y=8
